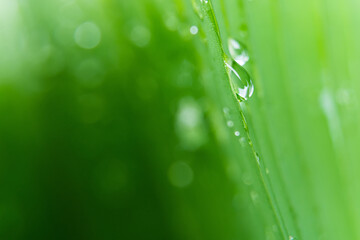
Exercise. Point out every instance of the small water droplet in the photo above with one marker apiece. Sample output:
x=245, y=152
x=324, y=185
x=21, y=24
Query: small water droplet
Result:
x=242, y=141
x=197, y=9
x=194, y=30
x=226, y=110
x=238, y=51
x=230, y=123
x=240, y=81
x=257, y=158
x=291, y=238
x=237, y=133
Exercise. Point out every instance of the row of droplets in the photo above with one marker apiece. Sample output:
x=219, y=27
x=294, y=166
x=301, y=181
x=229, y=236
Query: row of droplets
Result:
x=240, y=80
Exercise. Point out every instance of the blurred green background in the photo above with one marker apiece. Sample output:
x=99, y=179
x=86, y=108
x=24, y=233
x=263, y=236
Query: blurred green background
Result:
x=117, y=120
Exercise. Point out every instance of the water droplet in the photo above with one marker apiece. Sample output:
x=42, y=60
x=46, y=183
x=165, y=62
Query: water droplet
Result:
x=240, y=81
x=291, y=238
x=238, y=51
x=237, y=133
x=230, y=123
x=257, y=158
x=194, y=30
x=87, y=35
x=197, y=9
x=180, y=174
x=242, y=141
x=226, y=110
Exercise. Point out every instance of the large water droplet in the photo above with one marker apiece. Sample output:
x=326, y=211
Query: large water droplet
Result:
x=238, y=51
x=240, y=81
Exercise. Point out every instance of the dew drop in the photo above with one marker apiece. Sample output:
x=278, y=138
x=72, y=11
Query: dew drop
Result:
x=257, y=158
x=291, y=238
x=240, y=81
x=194, y=30
x=197, y=9
x=242, y=141
x=237, y=133
x=238, y=51
x=226, y=110
x=230, y=123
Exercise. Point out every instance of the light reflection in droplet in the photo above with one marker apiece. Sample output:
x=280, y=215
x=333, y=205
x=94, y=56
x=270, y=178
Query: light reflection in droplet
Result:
x=194, y=30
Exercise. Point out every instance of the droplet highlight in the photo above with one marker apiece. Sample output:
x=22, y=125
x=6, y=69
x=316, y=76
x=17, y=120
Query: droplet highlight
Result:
x=194, y=30
x=230, y=123
x=240, y=81
x=238, y=51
